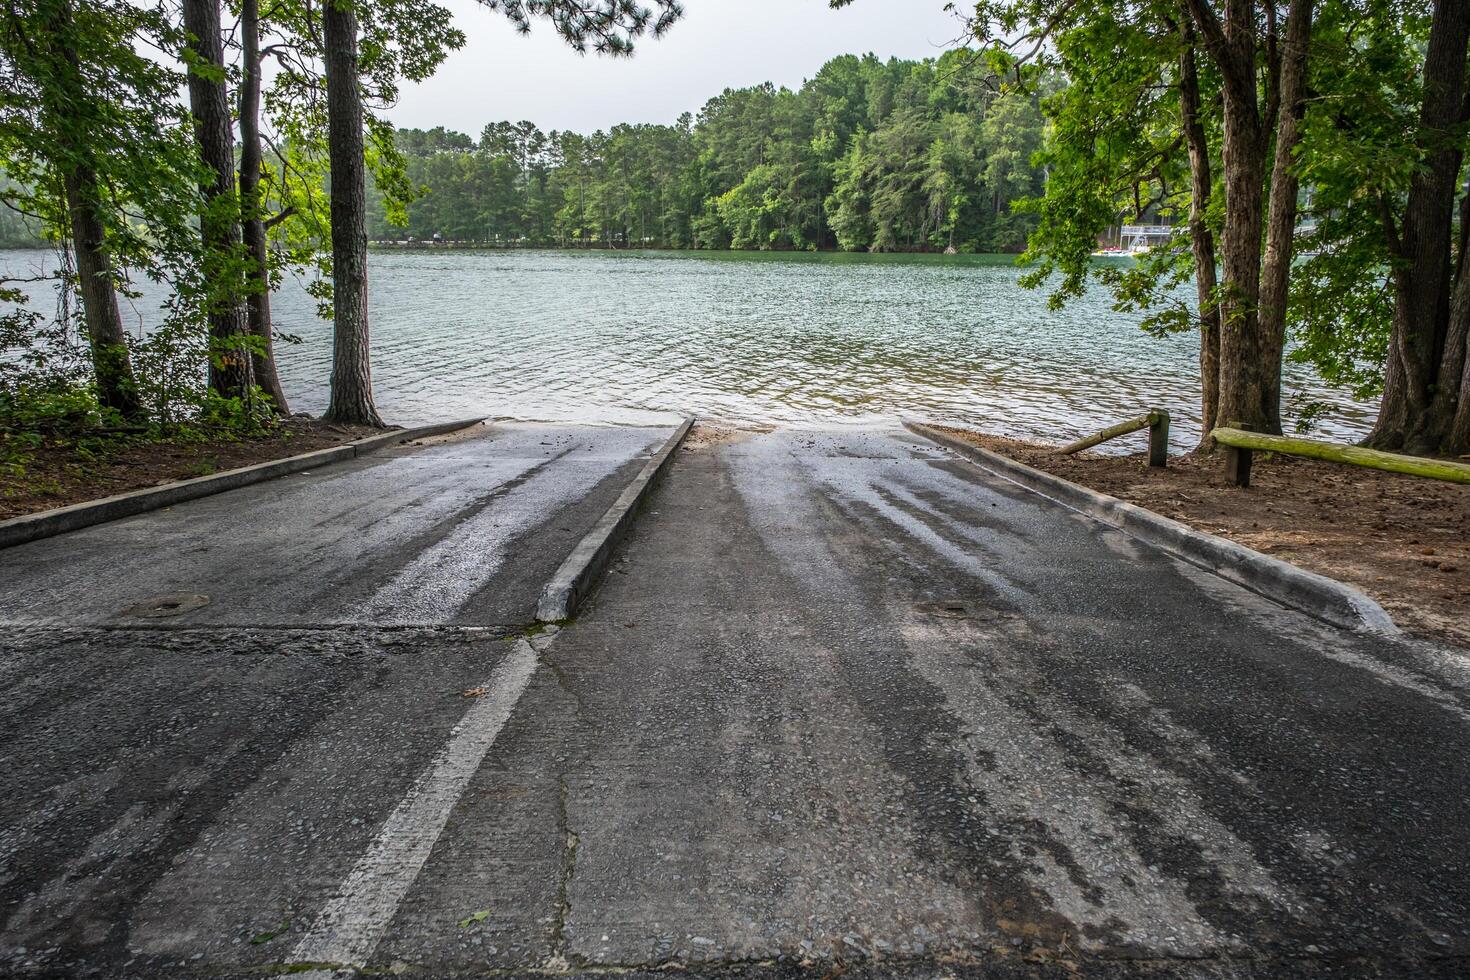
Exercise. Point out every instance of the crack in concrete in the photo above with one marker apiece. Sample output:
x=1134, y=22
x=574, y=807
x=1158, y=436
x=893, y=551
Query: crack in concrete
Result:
x=564, y=684
x=507, y=631
x=560, y=961
x=791, y=965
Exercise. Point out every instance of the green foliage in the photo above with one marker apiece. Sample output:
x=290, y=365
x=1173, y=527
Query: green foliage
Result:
x=17, y=229
x=46, y=387
x=68, y=417
x=45, y=382
x=89, y=108
x=129, y=130
x=1358, y=157
x=1115, y=152
x=128, y=146
x=896, y=155
x=399, y=40
x=43, y=396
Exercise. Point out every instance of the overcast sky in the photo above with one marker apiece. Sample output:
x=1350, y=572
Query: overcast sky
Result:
x=718, y=44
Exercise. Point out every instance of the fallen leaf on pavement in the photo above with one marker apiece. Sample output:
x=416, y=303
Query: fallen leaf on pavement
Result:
x=473, y=918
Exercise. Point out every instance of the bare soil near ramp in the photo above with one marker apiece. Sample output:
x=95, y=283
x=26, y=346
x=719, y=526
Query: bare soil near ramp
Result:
x=63, y=470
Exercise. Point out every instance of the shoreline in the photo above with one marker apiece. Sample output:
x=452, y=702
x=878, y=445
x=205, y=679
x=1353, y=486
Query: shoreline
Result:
x=386, y=244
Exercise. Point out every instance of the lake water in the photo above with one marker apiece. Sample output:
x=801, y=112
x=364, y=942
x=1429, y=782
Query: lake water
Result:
x=780, y=339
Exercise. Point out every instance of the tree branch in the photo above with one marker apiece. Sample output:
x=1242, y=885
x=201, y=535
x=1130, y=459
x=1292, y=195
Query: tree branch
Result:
x=276, y=219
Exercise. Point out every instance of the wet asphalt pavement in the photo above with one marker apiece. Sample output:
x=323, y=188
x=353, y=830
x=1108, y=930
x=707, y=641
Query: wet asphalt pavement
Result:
x=845, y=704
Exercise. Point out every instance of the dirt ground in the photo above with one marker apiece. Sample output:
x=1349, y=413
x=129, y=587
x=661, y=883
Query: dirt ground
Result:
x=58, y=475
x=1403, y=540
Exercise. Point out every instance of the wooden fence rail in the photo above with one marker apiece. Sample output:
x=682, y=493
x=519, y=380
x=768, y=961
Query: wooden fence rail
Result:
x=1157, y=424
x=1240, y=445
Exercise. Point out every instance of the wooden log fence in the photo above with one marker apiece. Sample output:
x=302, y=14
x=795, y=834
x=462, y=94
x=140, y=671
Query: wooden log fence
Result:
x=1240, y=445
x=1157, y=424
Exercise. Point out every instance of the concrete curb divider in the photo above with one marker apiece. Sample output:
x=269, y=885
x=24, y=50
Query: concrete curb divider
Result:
x=576, y=576
x=395, y=437
x=31, y=527
x=1317, y=595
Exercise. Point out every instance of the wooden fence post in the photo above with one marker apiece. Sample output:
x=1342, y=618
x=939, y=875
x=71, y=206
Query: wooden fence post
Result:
x=1158, y=438
x=1238, y=461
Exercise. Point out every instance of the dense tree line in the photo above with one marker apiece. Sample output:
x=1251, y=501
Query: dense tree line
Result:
x=867, y=154
x=1238, y=120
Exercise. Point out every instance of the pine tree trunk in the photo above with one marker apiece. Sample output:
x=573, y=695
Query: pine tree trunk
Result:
x=352, y=386
x=252, y=223
x=1452, y=394
x=116, y=388
x=1281, y=217
x=1250, y=376
x=1245, y=354
x=1202, y=240
x=219, y=225
x=1410, y=417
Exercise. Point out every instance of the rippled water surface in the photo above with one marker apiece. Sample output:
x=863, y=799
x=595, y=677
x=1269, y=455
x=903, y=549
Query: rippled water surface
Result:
x=804, y=340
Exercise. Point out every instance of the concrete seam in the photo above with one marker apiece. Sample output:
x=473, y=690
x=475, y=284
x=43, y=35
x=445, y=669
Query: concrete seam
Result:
x=559, y=960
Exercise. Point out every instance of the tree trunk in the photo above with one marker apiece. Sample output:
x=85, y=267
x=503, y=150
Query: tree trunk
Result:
x=116, y=388
x=96, y=279
x=1202, y=240
x=352, y=386
x=1281, y=217
x=1458, y=440
x=1410, y=416
x=1250, y=376
x=252, y=223
x=1452, y=394
x=1244, y=348
x=219, y=224
x=1452, y=398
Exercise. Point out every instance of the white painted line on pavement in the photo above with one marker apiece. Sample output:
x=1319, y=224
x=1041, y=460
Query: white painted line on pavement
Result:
x=349, y=927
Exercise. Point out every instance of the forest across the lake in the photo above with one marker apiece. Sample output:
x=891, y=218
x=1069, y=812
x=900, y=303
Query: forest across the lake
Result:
x=868, y=154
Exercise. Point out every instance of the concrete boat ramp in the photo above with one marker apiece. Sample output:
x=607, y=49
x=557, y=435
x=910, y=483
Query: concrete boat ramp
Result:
x=844, y=704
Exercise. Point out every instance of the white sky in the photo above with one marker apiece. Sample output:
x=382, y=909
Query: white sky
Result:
x=718, y=44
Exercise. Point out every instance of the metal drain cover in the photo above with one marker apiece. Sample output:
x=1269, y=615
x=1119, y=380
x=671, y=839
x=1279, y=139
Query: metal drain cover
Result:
x=959, y=609
x=945, y=608
x=161, y=606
